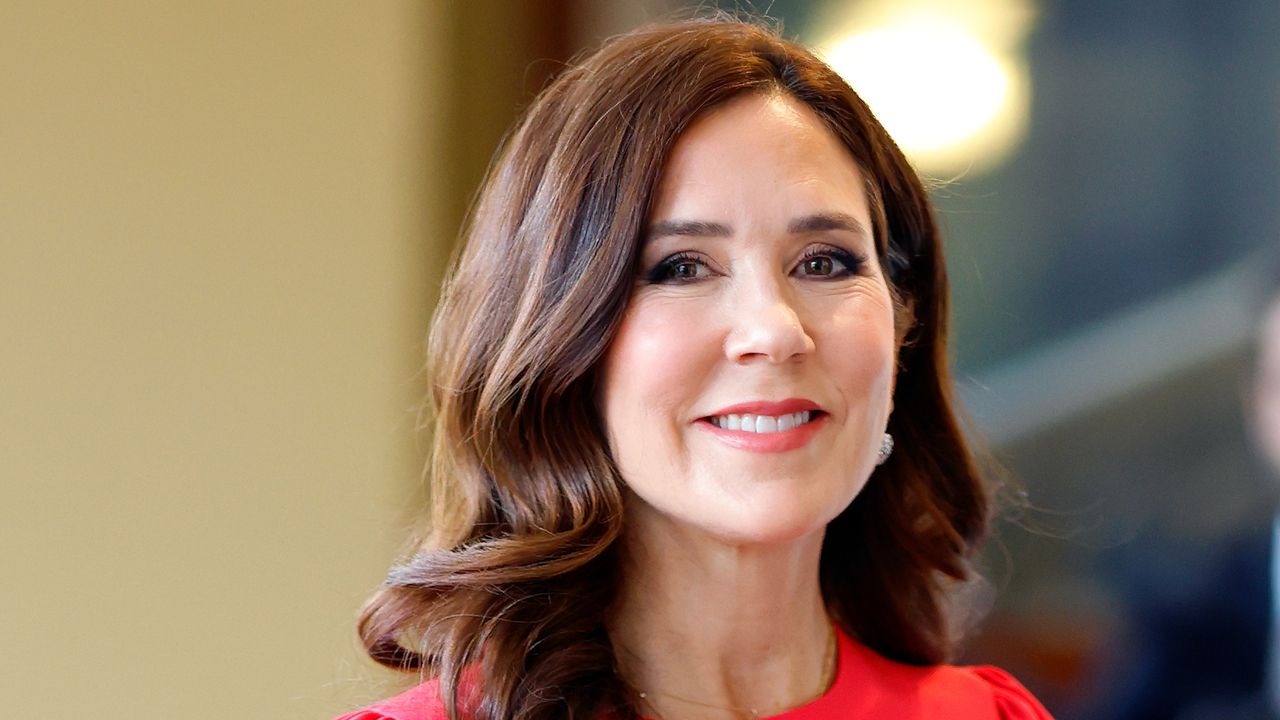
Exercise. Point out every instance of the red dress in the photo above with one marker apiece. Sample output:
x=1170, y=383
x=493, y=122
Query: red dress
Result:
x=866, y=686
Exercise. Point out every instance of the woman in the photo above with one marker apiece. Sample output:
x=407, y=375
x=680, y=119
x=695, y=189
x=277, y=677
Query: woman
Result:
x=701, y=300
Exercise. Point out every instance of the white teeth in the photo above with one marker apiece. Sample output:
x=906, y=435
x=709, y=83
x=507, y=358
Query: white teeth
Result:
x=762, y=423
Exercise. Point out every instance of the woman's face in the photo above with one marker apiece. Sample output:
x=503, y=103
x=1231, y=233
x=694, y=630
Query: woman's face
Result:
x=760, y=303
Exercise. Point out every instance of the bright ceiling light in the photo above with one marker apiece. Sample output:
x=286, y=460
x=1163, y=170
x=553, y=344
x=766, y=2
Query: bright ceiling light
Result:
x=953, y=99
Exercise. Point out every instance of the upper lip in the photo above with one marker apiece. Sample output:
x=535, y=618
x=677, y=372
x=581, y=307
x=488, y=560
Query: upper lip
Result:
x=768, y=407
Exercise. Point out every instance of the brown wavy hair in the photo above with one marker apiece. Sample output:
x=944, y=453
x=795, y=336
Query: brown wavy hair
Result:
x=512, y=581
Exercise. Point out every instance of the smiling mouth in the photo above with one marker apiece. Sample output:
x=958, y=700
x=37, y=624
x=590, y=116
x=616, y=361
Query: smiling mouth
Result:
x=763, y=424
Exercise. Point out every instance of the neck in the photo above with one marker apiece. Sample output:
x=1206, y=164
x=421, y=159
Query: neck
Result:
x=709, y=629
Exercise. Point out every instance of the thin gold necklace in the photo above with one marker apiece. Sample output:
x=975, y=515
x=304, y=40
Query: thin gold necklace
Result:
x=825, y=680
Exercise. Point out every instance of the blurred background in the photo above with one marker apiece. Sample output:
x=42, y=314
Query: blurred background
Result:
x=223, y=225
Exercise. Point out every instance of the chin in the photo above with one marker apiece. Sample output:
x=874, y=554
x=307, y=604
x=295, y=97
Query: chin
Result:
x=770, y=523
x=786, y=510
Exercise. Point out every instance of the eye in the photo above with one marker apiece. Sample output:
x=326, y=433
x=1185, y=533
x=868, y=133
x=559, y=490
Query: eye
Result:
x=829, y=262
x=819, y=265
x=679, y=268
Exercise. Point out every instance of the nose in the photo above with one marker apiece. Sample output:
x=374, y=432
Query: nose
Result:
x=766, y=325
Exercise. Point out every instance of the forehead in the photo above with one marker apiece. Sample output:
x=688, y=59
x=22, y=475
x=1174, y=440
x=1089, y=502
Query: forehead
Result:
x=756, y=146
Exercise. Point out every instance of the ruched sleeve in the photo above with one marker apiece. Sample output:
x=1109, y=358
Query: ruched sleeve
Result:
x=1013, y=702
x=417, y=703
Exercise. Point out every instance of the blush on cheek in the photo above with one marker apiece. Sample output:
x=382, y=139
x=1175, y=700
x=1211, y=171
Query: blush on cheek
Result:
x=866, y=366
x=660, y=340
x=652, y=367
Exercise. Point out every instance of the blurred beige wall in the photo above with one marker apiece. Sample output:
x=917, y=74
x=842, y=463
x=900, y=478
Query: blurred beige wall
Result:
x=219, y=235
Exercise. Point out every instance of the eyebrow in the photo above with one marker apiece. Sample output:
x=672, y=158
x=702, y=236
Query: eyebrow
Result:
x=817, y=222
x=692, y=228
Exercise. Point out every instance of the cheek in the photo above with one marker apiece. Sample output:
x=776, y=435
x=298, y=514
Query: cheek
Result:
x=1268, y=421
x=863, y=358
x=652, y=368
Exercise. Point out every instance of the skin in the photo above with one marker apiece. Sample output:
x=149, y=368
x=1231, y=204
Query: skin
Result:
x=721, y=601
x=1266, y=400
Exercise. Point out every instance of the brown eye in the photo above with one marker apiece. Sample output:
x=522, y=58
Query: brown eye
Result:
x=829, y=263
x=819, y=265
x=679, y=268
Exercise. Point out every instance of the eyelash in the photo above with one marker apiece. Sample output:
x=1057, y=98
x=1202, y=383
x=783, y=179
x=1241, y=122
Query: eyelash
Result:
x=853, y=264
x=662, y=272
